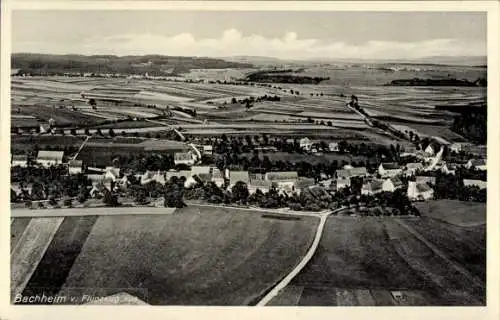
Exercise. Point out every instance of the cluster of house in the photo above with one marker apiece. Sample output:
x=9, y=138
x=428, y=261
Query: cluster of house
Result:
x=312, y=146
x=387, y=178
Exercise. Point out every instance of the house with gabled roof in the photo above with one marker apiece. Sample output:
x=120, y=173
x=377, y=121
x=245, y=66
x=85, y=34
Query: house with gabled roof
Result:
x=235, y=176
x=219, y=177
x=50, y=158
x=392, y=184
x=305, y=144
x=262, y=185
x=475, y=183
x=351, y=172
x=19, y=160
x=186, y=158
x=390, y=169
x=372, y=187
x=413, y=168
x=112, y=173
x=196, y=170
x=285, y=181
x=419, y=191
x=426, y=179
x=478, y=164
x=75, y=166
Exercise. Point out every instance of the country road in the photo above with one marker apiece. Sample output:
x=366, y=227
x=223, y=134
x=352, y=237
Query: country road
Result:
x=310, y=253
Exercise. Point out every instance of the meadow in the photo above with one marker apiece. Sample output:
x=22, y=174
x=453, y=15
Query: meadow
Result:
x=196, y=256
x=360, y=261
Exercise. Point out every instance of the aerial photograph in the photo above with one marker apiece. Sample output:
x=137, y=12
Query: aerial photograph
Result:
x=248, y=158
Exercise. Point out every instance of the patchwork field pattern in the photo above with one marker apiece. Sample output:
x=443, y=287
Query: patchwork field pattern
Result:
x=376, y=261
x=196, y=256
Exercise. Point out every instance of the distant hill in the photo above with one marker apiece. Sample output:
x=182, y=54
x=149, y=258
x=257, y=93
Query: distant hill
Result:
x=151, y=64
x=439, y=60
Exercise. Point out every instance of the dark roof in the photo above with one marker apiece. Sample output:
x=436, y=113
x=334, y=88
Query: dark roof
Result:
x=423, y=187
x=75, y=163
x=391, y=166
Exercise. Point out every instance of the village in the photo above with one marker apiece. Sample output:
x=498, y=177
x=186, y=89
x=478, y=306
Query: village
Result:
x=419, y=174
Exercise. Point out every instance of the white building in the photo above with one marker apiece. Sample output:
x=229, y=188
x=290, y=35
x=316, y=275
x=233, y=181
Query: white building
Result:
x=305, y=144
x=19, y=160
x=208, y=150
x=419, y=191
x=333, y=146
x=475, y=183
x=387, y=170
x=478, y=164
x=372, y=187
x=50, y=158
x=219, y=177
x=112, y=173
x=284, y=180
x=413, y=168
x=238, y=176
x=186, y=158
x=392, y=184
x=75, y=166
x=351, y=172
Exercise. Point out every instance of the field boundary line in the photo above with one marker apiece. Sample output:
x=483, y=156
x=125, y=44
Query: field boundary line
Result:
x=477, y=282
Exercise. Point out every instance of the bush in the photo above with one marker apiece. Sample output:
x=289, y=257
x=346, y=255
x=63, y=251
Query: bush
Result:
x=68, y=202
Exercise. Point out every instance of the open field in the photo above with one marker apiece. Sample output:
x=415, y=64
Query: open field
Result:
x=459, y=213
x=22, y=144
x=360, y=261
x=197, y=256
x=294, y=157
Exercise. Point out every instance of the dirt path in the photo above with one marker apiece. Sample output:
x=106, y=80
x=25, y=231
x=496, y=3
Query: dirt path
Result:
x=310, y=253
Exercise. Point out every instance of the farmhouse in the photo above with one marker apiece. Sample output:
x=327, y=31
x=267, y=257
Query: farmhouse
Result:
x=339, y=184
x=432, y=148
x=208, y=150
x=218, y=177
x=425, y=179
x=475, y=183
x=305, y=144
x=19, y=160
x=284, y=180
x=391, y=184
x=389, y=169
x=50, y=158
x=448, y=169
x=186, y=158
x=75, y=166
x=304, y=183
x=196, y=170
x=419, y=191
x=351, y=173
x=333, y=146
x=236, y=176
x=159, y=177
x=412, y=168
x=478, y=164
x=112, y=173
x=372, y=187
x=262, y=185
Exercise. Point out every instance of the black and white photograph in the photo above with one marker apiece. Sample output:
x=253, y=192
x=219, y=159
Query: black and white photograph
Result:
x=248, y=157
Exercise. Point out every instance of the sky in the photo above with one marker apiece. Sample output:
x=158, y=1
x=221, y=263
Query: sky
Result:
x=279, y=34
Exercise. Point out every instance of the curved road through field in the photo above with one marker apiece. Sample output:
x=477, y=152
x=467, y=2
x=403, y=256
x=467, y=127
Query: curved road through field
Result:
x=310, y=253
